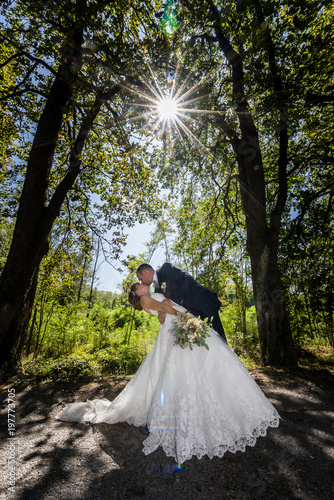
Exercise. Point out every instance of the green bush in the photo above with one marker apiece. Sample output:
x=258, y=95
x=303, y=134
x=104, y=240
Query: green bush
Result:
x=122, y=316
x=76, y=344
x=246, y=345
x=62, y=368
x=120, y=359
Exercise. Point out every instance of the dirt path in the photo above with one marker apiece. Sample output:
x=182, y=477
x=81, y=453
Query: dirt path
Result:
x=56, y=460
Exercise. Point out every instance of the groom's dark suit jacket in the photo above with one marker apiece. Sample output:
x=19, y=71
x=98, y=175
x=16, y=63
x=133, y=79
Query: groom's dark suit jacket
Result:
x=182, y=289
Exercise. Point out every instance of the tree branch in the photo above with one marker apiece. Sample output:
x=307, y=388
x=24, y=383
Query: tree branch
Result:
x=22, y=52
x=75, y=157
x=327, y=190
x=24, y=91
x=18, y=54
x=319, y=99
x=40, y=61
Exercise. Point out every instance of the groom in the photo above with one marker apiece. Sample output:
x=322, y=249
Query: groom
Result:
x=179, y=286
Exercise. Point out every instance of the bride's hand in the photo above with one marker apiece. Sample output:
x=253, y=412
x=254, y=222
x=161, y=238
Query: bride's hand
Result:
x=167, y=301
x=161, y=317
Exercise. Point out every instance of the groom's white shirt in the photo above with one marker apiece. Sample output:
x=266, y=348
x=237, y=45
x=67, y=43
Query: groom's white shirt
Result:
x=155, y=279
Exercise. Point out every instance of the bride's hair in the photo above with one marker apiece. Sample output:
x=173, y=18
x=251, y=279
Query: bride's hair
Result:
x=134, y=299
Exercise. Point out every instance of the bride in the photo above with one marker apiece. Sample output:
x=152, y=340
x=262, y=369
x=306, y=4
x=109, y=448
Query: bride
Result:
x=193, y=402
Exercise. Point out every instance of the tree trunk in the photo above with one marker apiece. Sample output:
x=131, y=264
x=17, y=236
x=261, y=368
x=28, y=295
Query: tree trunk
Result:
x=273, y=325
x=39, y=338
x=262, y=240
x=97, y=255
x=82, y=278
x=308, y=312
x=34, y=220
x=31, y=331
x=328, y=317
x=48, y=317
x=243, y=312
x=40, y=323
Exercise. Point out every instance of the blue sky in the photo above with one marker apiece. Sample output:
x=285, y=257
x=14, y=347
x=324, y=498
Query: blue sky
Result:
x=108, y=277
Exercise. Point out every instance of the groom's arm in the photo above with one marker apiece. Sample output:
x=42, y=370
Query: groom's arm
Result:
x=162, y=315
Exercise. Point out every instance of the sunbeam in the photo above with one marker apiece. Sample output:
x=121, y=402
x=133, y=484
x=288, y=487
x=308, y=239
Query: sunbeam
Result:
x=167, y=108
x=173, y=105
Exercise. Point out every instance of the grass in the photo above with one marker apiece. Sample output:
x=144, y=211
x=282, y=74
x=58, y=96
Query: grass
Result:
x=316, y=356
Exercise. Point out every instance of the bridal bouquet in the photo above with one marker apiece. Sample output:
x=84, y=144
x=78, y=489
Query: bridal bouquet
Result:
x=189, y=330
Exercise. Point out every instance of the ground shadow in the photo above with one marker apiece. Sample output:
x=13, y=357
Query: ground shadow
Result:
x=82, y=461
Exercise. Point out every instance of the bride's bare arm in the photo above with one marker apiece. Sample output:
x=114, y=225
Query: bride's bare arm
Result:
x=162, y=315
x=167, y=301
x=148, y=303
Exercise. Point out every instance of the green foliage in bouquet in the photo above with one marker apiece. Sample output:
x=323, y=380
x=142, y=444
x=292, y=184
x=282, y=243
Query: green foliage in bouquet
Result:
x=189, y=331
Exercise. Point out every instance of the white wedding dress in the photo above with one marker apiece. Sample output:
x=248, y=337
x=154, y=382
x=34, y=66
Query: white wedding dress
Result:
x=193, y=402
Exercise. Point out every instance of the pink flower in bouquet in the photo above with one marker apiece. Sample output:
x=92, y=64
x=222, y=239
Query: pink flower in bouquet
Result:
x=189, y=331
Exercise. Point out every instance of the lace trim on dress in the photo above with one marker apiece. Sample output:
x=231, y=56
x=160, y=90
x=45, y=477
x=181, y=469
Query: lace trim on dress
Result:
x=187, y=448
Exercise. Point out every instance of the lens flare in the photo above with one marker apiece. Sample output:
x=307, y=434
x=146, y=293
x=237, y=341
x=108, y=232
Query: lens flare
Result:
x=167, y=108
x=173, y=105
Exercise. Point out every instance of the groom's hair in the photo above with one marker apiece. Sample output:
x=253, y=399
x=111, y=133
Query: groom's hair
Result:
x=142, y=268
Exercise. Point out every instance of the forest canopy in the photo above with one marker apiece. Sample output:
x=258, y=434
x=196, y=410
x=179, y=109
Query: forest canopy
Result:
x=211, y=118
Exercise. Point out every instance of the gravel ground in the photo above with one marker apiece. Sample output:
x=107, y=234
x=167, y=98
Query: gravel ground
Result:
x=57, y=460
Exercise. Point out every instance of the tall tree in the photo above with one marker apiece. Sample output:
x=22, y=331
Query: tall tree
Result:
x=74, y=57
x=262, y=234
x=259, y=94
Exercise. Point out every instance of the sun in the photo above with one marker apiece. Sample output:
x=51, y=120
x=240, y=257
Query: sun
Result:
x=167, y=108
